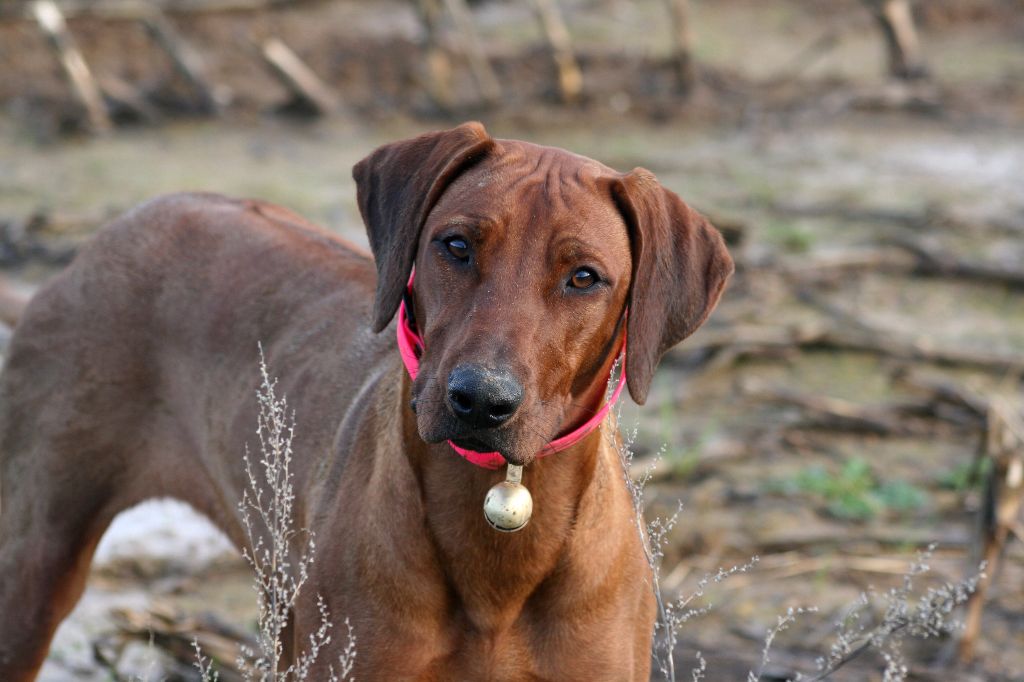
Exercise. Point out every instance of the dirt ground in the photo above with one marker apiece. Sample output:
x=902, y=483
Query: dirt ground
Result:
x=800, y=425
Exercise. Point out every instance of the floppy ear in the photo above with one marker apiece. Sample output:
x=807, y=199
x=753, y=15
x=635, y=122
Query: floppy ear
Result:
x=680, y=266
x=397, y=186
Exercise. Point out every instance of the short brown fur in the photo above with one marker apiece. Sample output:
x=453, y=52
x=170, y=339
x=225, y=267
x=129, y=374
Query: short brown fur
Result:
x=133, y=375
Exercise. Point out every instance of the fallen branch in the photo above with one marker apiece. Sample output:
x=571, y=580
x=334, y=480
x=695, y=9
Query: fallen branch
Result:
x=473, y=49
x=22, y=241
x=570, y=78
x=896, y=21
x=933, y=262
x=187, y=61
x=907, y=418
x=899, y=256
x=800, y=539
x=831, y=266
x=1001, y=508
x=809, y=56
x=438, y=63
x=136, y=9
x=79, y=77
x=682, y=44
x=125, y=99
x=929, y=218
x=742, y=342
x=174, y=632
x=300, y=80
x=948, y=392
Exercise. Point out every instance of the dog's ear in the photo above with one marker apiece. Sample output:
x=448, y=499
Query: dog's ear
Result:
x=680, y=266
x=397, y=186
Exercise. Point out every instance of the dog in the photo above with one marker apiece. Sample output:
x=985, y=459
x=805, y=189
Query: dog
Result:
x=133, y=374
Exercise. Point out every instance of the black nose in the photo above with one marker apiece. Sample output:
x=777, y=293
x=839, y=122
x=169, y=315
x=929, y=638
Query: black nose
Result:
x=482, y=397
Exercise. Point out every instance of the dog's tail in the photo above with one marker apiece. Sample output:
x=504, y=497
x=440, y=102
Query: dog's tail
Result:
x=14, y=296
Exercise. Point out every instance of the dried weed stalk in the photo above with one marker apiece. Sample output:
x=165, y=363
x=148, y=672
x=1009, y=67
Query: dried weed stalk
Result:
x=267, y=510
x=857, y=631
x=903, y=614
x=672, y=615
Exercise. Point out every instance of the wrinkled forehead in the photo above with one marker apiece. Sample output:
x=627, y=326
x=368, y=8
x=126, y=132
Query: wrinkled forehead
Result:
x=519, y=181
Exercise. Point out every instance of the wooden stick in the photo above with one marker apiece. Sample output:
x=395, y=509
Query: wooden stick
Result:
x=825, y=412
x=187, y=61
x=799, y=538
x=748, y=341
x=896, y=21
x=136, y=9
x=77, y=72
x=483, y=74
x=298, y=78
x=898, y=256
x=174, y=633
x=843, y=211
x=682, y=44
x=125, y=96
x=809, y=56
x=439, y=66
x=919, y=221
x=950, y=392
x=570, y=78
x=935, y=263
x=832, y=266
x=1001, y=509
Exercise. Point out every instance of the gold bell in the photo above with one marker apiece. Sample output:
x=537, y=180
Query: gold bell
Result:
x=509, y=505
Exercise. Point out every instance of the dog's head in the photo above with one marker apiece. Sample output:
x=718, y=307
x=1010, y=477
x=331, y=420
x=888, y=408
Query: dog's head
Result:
x=527, y=259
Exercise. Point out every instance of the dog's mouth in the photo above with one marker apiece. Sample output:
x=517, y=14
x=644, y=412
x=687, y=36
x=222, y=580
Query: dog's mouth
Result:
x=475, y=444
x=438, y=423
x=504, y=442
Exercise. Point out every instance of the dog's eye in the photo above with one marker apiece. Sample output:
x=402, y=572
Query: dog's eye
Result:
x=458, y=247
x=584, y=278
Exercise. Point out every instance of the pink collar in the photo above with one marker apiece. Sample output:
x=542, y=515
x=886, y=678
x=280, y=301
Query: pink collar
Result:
x=410, y=345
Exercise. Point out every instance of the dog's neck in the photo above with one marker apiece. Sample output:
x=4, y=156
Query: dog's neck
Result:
x=495, y=574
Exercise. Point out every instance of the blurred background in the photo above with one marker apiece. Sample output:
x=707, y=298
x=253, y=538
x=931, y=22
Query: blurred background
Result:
x=856, y=397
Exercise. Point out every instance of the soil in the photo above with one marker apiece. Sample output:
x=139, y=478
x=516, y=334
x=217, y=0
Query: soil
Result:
x=811, y=158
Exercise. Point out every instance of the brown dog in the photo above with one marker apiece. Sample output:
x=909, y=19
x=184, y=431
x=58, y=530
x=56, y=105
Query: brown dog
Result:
x=133, y=375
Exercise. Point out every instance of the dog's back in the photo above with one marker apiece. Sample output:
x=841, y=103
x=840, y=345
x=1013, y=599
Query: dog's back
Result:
x=118, y=365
